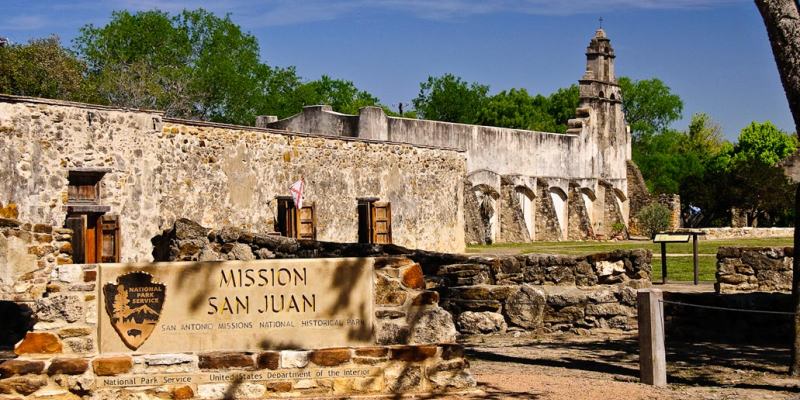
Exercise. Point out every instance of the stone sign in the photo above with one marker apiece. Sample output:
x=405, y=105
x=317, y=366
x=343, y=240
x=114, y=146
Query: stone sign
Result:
x=236, y=305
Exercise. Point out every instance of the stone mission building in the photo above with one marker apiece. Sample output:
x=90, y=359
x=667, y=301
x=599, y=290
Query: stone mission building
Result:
x=521, y=185
x=118, y=178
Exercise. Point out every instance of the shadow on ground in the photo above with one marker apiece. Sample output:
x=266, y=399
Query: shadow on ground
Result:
x=696, y=364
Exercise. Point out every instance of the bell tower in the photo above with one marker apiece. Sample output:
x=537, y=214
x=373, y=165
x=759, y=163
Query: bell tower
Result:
x=600, y=92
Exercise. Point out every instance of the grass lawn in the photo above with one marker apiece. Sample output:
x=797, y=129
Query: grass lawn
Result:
x=679, y=255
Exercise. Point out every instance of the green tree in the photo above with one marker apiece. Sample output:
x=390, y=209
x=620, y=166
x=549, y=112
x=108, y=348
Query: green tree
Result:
x=517, y=109
x=343, y=96
x=650, y=106
x=193, y=65
x=41, y=68
x=450, y=98
x=765, y=143
x=562, y=105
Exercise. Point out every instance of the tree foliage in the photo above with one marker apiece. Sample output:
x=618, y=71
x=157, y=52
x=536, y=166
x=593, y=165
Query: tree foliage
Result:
x=764, y=143
x=198, y=65
x=41, y=68
x=654, y=218
x=450, y=98
x=649, y=105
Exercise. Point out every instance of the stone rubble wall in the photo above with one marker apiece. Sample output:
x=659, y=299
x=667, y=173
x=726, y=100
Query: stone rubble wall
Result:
x=745, y=233
x=543, y=293
x=220, y=175
x=415, y=350
x=29, y=253
x=538, y=292
x=754, y=269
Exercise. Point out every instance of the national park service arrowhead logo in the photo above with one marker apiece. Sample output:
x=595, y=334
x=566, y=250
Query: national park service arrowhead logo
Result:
x=134, y=305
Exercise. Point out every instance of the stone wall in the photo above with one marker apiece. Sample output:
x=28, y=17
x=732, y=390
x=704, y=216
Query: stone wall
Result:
x=28, y=255
x=162, y=169
x=60, y=355
x=537, y=292
x=590, y=156
x=754, y=269
x=745, y=233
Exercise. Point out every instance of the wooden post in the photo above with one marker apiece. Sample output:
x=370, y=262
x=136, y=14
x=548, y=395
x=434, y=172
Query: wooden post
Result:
x=663, y=262
x=652, y=356
x=694, y=257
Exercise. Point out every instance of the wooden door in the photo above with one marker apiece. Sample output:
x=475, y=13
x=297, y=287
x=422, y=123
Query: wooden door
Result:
x=287, y=218
x=307, y=223
x=108, y=239
x=78, y=225
x=381, y=223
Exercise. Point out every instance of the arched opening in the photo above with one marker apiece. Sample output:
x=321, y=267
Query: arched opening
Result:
x=612, y=97
x=559, y=198
x=602, y=94
x=622, y=203
x=589, y=198
x=525, y=197
x=487, y=211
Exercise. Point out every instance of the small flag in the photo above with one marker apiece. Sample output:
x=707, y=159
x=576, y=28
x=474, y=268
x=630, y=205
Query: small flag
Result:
x=297, y=193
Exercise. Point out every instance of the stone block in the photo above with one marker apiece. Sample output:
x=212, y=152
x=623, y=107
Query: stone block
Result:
x=41, y=228
x=389, y=292
x=525, y=307
x=108, y=366
x=188, y=229
x=66, y=306
x=24, y=385
x=279, y=387
x=372, y=351
x=404, y=378
x=20, y=367
x=606, y=268
x=389, y=314
x=269, y=360
x=182, y=393
x=90, y=275
x=413, y=353
x=294, y=359
x=167, y=359
x=39, y=343
x=456, y=379
x=481, y=322
x=80, y=344
x=330, y=357
x=68, y=366
x=431, y=325
x=225, y=359
x=412, y=277
x=609, y=310
x=425, y=298
x=240, y=251
x=391, y=332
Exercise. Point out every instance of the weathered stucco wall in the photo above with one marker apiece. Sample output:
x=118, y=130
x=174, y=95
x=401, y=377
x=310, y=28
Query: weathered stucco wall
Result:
x=590, y=156
x=162, y=170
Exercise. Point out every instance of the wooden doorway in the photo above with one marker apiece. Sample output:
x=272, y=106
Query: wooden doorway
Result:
x=95, y=238
x=374, y=222
x=296, y=223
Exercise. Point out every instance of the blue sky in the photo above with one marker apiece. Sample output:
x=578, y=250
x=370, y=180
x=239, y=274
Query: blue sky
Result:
x=713, y=53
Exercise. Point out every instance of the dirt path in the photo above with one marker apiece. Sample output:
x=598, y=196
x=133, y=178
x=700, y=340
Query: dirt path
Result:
x=581, y=368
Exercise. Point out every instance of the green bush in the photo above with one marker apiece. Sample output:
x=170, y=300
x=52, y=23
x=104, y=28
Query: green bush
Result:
x=653, y=219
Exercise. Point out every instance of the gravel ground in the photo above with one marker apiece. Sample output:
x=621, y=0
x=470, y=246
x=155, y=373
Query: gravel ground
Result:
x=605, y=366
